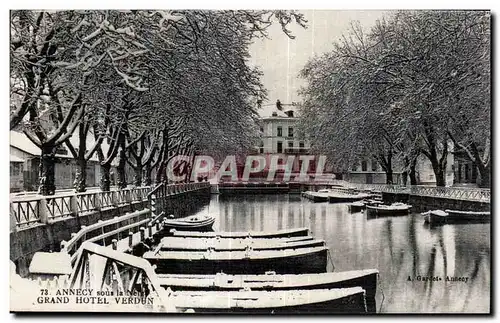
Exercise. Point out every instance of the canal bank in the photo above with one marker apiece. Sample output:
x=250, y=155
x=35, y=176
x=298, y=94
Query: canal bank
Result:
x=402, y=248
x=41, y=224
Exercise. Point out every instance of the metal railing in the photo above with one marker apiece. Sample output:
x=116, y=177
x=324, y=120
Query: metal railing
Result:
x=104, y=232
x=27, y=211
x=458, y=193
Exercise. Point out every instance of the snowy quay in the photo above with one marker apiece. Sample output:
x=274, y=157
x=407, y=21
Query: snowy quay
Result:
x=41, y=223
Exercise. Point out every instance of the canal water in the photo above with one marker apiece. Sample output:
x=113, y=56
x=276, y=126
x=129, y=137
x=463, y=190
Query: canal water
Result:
x=402, y=248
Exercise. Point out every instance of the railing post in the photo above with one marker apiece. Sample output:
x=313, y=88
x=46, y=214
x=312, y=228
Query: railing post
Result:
x=143, y=233
x=153, y=205
x=130, y=239
x=42, y=211
x=114, y=199
x=73, y=204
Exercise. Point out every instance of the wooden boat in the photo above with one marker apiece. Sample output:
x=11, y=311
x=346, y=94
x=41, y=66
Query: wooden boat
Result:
x=227, y=244
x=320, y=196
x=190, y=223
x=343, y=300
x=287, y=261
x=393, y=209
x=455, y=216
x=356, y=207
x=434, y=216
x=366, y=279
x=296, y=232
x=345, y=198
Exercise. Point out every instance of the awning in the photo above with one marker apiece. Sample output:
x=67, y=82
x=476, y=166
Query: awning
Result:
x=15, y=159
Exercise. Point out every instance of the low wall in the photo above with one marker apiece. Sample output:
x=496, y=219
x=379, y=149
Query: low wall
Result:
x=25, y=241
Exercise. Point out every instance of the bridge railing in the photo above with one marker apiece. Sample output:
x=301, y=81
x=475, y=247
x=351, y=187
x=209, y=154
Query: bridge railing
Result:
x=27, y=211
x=459, y=193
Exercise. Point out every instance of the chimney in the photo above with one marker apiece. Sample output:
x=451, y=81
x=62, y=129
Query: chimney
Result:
x=275, y=114
x=289, y=113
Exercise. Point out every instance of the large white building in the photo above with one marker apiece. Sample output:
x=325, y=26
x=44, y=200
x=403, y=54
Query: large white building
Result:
x=279, y=134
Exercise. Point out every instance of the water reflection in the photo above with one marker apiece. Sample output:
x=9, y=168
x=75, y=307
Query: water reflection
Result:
x=402, y=248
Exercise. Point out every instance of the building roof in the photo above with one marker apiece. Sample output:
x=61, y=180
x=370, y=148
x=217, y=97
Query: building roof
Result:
x=266, y=111
x=20, y=141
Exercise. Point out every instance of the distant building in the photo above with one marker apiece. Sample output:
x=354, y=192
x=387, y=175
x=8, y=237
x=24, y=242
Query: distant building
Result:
x=25, y=162
x=369, y=171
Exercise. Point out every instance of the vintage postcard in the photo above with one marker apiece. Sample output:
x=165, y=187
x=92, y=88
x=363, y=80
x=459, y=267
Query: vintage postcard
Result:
x=250, y=161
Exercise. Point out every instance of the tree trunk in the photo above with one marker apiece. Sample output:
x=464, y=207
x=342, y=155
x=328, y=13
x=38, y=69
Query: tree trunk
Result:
x=105, y=183
x=120, y=169
x=146, y=176
x=413, y=172
x=80, y=183
x=47, y=171
x=388, y=176
x=484, y=173
x=439, y=173
x=138, y=175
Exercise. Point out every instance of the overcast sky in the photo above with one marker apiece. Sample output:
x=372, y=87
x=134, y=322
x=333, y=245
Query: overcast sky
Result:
x=281, y=58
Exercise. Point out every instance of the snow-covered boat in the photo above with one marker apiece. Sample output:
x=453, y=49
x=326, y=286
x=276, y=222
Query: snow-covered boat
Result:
x=356, y=207
x=190, y=223
x=295, y=232
x=393, y=209
x=287, y=261
x=455, y=216
x=319, y=196
x=342, y=300
x=337, y=197
x=366, y=279
x=228, y=244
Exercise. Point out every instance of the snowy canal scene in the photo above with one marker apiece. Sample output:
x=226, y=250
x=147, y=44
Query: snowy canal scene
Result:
x=250, y=161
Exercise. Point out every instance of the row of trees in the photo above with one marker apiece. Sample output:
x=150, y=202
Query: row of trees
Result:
x=146, y=85
x=416, y=84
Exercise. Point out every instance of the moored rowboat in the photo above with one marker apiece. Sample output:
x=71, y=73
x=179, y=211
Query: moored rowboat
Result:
x=227, y=244
x=344, y=198
x=297, y=232
x=287, y=261
x=366, y=279
x=344, y=300
x=393, y=209
x=320, y=196
x=356, y=207
x=455, y=216
x=197, y=223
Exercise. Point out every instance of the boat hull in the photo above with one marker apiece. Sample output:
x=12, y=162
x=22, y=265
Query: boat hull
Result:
x=347, y=300
x=224, y=244
x=356, y=208
x=366, y=279
x=346, y=198
x=298, y=232
x=308, y=260
x=457, y=217
x=374, y=211
x=315, y=197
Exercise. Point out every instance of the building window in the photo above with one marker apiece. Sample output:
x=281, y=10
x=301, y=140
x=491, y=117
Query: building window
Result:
x=374, y=165
x=290, y=144
x=364, y=166
x=261, y=129
x=301, y=144
x=280, y=131
x=354, y=167
x=280, y=147
x=290, y=131
x=261, y=147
